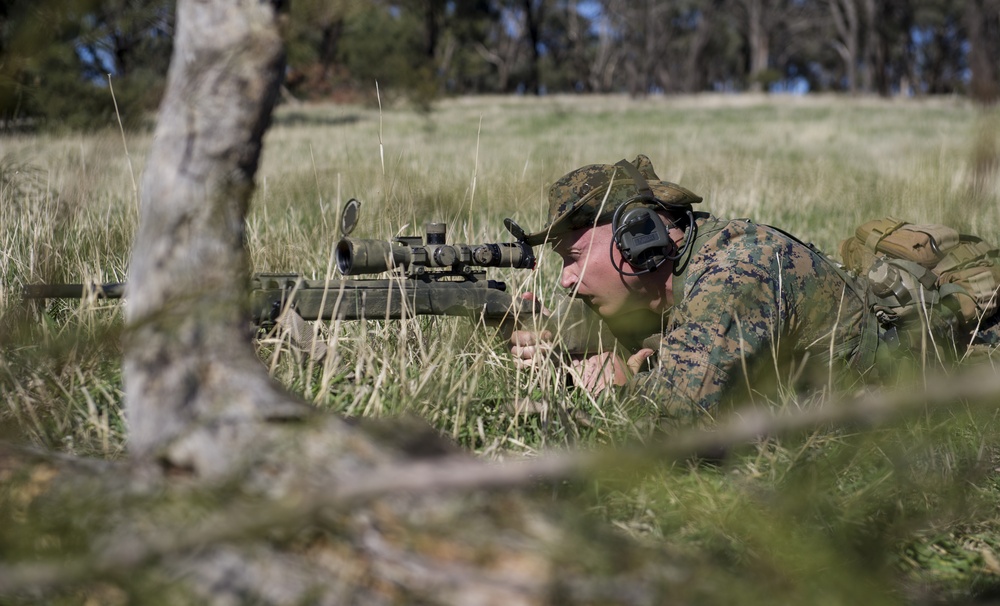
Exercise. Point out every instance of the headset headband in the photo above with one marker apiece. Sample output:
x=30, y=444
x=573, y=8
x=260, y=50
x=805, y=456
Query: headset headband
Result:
x=640, y=181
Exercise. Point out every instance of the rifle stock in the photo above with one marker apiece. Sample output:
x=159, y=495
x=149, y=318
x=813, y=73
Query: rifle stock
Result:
x=575, y=328
x=379, y=299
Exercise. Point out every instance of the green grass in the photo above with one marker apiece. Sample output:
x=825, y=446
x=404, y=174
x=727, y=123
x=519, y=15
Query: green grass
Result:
x=904, y=513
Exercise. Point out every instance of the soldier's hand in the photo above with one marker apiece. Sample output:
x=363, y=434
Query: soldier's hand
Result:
x=530, y=348
x=599, y=372
x=637, y=360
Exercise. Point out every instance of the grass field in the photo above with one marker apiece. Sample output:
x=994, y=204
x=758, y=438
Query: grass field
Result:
x=903, y=513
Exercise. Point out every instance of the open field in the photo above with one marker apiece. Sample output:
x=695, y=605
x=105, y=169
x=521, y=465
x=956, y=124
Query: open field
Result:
x=907, y=512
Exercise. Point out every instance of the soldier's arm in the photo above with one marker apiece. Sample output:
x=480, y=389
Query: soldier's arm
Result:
x=729, y=317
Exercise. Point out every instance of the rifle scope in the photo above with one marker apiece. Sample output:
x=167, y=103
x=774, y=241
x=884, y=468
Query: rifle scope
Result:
x=357, y=256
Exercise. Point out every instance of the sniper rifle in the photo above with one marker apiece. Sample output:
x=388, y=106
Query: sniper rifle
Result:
x=426, y=276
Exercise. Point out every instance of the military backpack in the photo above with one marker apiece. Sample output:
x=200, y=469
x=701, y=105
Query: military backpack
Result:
x=925, y=275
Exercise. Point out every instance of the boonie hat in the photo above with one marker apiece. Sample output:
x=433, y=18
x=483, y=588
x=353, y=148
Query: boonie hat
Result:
x=590, y=195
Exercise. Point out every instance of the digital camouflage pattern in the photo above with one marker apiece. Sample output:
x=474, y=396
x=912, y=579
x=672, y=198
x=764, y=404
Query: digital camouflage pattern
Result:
x=756, y=311
x=589, y=196
x=751, y=299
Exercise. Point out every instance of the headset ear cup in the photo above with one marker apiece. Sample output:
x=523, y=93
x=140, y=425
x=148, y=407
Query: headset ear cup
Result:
x=642, y=238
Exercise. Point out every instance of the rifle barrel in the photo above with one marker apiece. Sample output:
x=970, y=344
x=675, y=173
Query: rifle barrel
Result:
x=112, y=290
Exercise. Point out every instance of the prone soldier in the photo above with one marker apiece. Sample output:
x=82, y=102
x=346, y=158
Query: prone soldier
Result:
x=704, y=304
x=714, y=309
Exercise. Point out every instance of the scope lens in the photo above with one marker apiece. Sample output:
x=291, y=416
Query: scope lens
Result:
x=344, y=255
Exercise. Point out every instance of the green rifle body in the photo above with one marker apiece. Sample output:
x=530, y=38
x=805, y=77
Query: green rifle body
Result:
x=380, y=299
x=575, y=329
x=472, y=296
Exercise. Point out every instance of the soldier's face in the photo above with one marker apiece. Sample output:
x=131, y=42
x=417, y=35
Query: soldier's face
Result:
x=588, y=273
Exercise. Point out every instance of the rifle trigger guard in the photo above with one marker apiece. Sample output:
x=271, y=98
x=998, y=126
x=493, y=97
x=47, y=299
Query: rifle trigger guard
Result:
x=275, y=312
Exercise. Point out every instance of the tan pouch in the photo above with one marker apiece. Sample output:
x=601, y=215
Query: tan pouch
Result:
x=923, y=244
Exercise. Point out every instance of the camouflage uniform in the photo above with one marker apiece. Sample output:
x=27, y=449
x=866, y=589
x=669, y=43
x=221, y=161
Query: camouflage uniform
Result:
x=988, y=333
x=753, y=303
x=750, y=297
x=756, y=311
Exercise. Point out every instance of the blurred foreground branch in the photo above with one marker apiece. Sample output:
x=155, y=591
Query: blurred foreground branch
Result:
x=328, y=500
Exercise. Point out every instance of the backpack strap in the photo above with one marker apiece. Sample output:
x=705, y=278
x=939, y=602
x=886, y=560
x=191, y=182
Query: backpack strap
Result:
x=881, y=230
x=863, y=353
x=927, y=278
x=966, y=253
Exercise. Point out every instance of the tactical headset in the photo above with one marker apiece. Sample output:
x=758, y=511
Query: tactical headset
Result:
x=639, y=233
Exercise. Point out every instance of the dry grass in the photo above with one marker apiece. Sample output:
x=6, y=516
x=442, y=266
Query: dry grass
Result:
x=823, y=517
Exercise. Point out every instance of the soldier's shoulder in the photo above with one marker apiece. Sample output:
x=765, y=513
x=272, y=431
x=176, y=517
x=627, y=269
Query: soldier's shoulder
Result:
x=735, y=236
x=733, y=247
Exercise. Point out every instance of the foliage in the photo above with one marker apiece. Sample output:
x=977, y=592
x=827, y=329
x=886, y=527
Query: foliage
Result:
x=384, y=48
x=60, y=54
x=57, y=54
x=906, y=512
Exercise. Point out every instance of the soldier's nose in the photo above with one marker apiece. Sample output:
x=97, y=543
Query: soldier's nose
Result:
x=567, y=279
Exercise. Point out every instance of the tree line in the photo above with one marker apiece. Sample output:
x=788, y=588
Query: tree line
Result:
x=57, y=56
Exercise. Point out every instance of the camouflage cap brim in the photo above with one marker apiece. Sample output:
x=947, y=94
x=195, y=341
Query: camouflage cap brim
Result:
x=589, y=196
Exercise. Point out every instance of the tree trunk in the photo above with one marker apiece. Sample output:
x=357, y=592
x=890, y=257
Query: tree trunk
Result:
x=692, y=77
x=869, y=48
x=845, y=19
x=757, y=42
x=331, y=33
x=189, y=362
x=607, y=55
x=982, y=18
x=881, y=57
x=533, y=18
